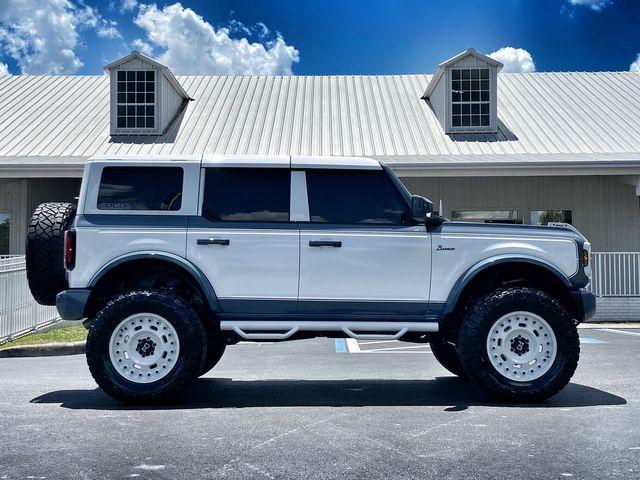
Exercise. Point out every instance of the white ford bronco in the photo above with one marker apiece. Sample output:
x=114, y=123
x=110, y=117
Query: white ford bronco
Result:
x=169, y=259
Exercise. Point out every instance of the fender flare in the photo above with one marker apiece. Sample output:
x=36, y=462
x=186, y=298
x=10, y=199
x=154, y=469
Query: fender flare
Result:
x=193, y=270
x=490, y=262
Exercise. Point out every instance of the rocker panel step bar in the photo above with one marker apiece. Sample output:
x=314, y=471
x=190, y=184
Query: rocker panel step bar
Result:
x=281, y=330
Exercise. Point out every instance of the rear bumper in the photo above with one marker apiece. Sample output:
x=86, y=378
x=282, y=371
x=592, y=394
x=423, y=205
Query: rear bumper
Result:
x=585, y=305
x=71, y=303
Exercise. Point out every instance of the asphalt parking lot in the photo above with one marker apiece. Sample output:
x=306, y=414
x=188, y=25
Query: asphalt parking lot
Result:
x=325, y=409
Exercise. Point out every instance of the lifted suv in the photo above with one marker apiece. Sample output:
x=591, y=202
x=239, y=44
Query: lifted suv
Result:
x=170, y=259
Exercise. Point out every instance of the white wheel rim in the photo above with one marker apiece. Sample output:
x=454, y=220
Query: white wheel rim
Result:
x=144, y=348
x=521, y=346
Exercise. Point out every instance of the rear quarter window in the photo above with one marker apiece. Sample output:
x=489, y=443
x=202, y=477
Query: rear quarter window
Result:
x=141, y=188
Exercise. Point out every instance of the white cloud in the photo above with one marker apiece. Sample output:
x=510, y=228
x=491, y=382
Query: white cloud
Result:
x=142, y=46
x=128, y=5
x=635, y=66
x=192, y=45
x=42, y=35
x=4, y=69
x=595, y=5
x=514, y=59
x=108, y=29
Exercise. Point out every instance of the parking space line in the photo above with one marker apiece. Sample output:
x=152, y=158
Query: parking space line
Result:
x=352, y=345
x=585, y=340
x=341, y=345
x=372, y=342
x=621, y=332
x=389, y=349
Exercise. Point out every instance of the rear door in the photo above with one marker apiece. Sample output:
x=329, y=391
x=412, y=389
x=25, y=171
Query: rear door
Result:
x=243, y=239
x=358, y=253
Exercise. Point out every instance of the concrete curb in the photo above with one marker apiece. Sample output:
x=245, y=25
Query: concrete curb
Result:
x=44, y=350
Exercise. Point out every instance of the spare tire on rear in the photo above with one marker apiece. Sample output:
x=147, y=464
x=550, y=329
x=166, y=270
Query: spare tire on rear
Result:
x=45, y=250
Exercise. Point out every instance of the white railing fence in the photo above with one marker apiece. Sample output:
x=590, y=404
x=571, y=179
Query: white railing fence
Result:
x=615, y=274
x=19, y=312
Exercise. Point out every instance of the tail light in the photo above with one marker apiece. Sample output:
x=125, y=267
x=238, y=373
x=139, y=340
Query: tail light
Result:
x=69, y=249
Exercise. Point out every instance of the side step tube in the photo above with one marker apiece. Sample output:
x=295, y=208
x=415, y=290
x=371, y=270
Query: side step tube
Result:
x=281, y=330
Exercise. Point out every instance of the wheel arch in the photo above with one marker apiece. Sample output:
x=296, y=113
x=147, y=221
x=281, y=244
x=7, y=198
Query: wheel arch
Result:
x=530, y=270
x=160, y=258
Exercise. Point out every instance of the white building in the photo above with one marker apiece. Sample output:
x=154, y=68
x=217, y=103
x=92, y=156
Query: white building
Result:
x=515, y=147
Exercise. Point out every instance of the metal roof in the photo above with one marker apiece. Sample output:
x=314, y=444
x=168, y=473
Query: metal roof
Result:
x=560, y=117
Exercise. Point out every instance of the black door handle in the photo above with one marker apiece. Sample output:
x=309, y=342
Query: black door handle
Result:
x=213, y=241
x=325, y=243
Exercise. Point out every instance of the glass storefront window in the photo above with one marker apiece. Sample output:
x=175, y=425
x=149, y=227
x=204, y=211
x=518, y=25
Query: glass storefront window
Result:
x=486, y=216
x=4, y=233
x=542, y=217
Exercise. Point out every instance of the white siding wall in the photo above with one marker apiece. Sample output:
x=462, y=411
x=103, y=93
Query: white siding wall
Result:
x=438, y=100
x=13, y=200
x=170, y=102
x=20, y=197
x=605, y=210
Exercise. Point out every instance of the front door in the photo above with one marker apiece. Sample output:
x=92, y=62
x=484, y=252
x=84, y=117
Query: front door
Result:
x=358, y=254
x=244, y=240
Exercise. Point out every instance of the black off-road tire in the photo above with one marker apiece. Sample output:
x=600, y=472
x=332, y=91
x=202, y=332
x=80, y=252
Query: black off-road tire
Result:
x=45, y=250
x=447, y=355
x=475, y=330
x=216, y=345
x=191, y=334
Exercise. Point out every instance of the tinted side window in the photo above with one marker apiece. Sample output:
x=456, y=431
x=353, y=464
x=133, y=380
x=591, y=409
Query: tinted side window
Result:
x=353, y=196
x=140, y=188
x=247, y=194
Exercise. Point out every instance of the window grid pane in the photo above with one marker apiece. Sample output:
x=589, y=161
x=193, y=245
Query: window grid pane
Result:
x=135, y=91
x=470, y=97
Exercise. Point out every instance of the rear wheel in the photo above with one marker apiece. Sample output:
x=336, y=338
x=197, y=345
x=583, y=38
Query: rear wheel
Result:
x=145, y=347
x=45, y=250
x=447, y=356
x=519, y=344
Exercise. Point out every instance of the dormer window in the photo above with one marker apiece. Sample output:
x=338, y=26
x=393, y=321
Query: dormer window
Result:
x=463, y=93
x=136, y=99
x=470, y=97
x=146, y=98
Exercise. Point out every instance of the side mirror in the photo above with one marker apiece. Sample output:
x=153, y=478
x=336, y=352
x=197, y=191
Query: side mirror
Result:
x=421, y=208
x=422, y=211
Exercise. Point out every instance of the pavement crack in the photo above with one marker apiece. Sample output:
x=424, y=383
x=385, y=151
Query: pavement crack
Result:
x=229, y=465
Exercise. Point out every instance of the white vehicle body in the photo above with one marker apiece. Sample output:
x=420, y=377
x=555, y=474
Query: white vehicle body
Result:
x=272, y=280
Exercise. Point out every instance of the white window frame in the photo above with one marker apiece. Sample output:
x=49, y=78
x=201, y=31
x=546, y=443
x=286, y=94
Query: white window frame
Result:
x=115, y=130
x=470, y=102
x=493, y=103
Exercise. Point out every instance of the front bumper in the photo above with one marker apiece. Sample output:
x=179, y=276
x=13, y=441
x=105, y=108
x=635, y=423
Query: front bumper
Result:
x=585, y=305
x=71, y=303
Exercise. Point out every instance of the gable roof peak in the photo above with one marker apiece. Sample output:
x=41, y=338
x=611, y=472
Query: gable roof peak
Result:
x=469, y=52
x=135, y=54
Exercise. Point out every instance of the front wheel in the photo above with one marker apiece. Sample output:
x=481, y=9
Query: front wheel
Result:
x=519, y=345
x=145, y=347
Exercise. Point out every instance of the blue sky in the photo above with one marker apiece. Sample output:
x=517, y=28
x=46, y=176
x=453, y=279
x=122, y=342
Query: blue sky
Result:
x=317, y=37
